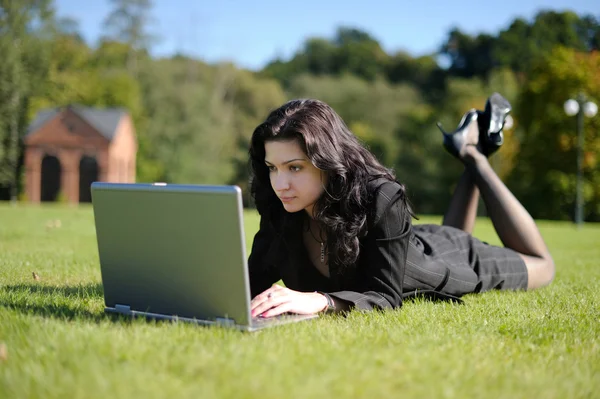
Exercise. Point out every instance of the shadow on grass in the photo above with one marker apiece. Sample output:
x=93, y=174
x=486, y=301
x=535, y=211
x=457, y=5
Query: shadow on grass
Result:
x=59, y=302
x=76, y=303
x=82, y=291
x=67, y=303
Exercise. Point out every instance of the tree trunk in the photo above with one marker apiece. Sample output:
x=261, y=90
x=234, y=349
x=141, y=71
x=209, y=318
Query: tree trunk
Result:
x=13, y=144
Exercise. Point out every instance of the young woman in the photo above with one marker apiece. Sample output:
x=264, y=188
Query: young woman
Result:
x=336, y=225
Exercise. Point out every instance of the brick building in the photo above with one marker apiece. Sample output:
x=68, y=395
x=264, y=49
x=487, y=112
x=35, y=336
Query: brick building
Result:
x=68, y=148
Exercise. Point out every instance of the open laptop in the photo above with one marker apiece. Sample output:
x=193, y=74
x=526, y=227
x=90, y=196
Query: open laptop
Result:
x=175, y=252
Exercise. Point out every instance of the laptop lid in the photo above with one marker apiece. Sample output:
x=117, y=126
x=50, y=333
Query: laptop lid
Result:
x=175, y=250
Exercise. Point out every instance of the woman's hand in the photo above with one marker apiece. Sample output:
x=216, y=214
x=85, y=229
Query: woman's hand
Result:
x=277, y=300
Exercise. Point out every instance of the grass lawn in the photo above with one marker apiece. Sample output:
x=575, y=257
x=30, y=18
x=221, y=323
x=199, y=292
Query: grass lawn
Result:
x=56, y=342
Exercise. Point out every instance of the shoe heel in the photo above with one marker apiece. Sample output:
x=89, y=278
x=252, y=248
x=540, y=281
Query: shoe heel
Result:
x=491, y=123
x=500, y=108
x=454, y=141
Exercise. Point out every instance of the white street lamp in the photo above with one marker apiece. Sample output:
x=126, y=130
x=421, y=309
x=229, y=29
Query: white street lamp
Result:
x=571, y=107
x=579, y=107
x=590, y=109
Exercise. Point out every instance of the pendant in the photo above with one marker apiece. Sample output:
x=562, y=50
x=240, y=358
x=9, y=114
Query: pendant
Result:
x=322, y=252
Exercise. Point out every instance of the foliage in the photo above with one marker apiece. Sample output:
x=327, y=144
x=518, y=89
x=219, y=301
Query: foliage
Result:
x=374, y=107
x=202, y=118
x=546, y=167
x=520, y=44
x=23, y=69
x=128, y=22
x=352, y=51
x=193, y=120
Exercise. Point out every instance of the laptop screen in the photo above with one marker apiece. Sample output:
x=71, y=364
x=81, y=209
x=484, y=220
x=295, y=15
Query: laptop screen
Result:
x=173, y=249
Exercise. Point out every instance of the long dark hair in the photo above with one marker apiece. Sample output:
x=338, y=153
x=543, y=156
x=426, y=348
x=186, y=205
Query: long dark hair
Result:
x=331, y=147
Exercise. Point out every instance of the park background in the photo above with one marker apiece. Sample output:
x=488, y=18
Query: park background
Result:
x=197, y=78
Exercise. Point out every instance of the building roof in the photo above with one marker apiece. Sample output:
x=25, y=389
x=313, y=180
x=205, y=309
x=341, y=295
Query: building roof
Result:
x=104, y=120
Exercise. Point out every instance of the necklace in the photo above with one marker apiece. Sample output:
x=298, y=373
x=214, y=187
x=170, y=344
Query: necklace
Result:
x=322, y=243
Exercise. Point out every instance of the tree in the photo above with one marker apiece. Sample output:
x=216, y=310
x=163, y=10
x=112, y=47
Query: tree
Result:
x=469, y=56
x=201, y=118
x=128, y=23
x=372, y=110
x=69, y=27
x=23, y=28
x=520, y=44
x=423, y=72
x=430, y=173
x=320, y=55
x=351, y=51
x=544, y=175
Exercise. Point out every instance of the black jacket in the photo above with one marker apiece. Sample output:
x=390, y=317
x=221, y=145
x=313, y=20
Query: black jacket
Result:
x=376, y=280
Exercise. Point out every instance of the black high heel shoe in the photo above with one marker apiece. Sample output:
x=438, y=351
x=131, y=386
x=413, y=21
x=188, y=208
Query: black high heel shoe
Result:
x=455, y=141
x=491, y=122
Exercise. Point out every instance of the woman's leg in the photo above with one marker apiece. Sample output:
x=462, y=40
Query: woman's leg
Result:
x=463, y=206
x=462, y=210
x=515, y=227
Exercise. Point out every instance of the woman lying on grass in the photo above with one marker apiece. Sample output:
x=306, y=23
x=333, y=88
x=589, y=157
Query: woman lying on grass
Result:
x=336, y=225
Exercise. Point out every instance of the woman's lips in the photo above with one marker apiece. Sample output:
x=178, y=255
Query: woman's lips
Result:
x=286, y=199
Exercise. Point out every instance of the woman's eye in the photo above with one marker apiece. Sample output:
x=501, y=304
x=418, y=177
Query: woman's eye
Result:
x=295, y=168
x=271, y=168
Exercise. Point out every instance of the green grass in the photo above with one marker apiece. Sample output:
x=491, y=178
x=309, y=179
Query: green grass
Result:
x=58, y=342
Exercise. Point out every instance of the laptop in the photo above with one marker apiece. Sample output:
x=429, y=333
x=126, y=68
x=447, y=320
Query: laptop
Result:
x=176, y=252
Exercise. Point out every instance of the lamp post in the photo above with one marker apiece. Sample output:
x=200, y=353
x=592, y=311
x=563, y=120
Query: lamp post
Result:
x=579, y=107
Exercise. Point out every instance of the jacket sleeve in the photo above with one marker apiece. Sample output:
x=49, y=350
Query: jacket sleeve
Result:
x=383, y=267
x=261, y=270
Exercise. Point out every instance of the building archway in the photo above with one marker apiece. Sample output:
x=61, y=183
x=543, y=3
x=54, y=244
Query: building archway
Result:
x=51, y=171
x=88, y=173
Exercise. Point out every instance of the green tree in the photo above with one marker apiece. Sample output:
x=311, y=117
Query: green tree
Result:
x=128, y=22
x=24, y=66
x=423, y=165
x=423, y=72
x=351, y=51
x=320, y=56
x=201, y=118
x=469, y=56
x=69, y=79
x=376, y=107
x=544, y=175
x=520, y=44
x=359, y=54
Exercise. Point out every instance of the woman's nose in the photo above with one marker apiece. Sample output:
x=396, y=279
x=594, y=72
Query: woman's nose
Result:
x=281, y=182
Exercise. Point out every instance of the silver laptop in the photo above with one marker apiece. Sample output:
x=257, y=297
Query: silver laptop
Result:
x=175, y=252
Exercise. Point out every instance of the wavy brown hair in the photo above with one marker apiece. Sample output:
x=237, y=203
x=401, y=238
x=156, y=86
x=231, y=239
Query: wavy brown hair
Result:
x=331, y=147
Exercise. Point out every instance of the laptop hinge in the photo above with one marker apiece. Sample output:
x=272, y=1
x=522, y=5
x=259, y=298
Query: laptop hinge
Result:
x=123, y=308
x=225, y=321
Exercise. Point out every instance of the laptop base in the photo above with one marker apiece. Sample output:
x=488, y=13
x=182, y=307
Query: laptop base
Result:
x=257, y=324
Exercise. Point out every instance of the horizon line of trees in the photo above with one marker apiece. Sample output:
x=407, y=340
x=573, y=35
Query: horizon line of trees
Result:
x=194, y=119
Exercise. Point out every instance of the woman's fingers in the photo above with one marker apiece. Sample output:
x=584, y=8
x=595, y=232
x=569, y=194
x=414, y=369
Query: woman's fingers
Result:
x=270, y=303
x=275, y=311
x=272, y=297
x=268, y=293
x=277, y=300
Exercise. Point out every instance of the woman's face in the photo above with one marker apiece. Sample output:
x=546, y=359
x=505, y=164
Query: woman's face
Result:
x=295, y=180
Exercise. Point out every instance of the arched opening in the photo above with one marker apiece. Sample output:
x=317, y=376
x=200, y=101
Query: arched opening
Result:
x=88, y=173
x=50, y=178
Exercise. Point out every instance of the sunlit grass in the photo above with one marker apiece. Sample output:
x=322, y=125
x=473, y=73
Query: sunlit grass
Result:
x=56, y=342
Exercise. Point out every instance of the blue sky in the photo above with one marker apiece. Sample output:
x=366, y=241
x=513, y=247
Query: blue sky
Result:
x=251, y=33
